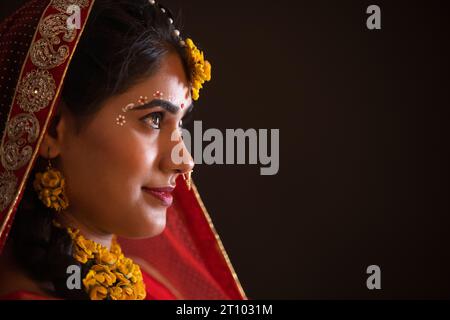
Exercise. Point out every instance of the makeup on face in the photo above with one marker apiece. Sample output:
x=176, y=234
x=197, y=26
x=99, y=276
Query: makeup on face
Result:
x=143, y=103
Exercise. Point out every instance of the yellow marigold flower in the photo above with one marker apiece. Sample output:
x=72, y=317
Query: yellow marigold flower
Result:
x=51, y=179
x=83, y=249
x=97, y=278
x=88, y=246
x=115, y=248
x=116, y=293
x=201, y=68
x=98, y=293
x=82, y=256
x=140, y=290
x=89, y=281
x=106, y=257
x=113, y=276
x=128, y=293
x=125, y=266
x=72, y=233
x=103, y=275
x=121, y=279
x=50, y=188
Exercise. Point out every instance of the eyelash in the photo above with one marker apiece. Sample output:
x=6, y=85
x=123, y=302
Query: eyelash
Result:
x=161, y=115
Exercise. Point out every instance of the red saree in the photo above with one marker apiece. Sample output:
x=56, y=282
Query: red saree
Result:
x=188, y=260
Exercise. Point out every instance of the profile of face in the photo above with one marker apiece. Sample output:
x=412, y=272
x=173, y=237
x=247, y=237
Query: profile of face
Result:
x=118, y=168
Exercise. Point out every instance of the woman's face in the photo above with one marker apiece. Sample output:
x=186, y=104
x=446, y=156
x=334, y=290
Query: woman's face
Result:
x=118, y=155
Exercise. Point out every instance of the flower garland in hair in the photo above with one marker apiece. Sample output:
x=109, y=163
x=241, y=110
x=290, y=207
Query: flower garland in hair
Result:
x=201, y=68
x=112, y=276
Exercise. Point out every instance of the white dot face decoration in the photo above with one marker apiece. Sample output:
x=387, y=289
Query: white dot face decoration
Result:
x=158, y=95
x=142, y=100
x=121, y=119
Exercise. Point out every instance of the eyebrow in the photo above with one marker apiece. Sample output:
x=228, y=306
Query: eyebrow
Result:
x=167, y=105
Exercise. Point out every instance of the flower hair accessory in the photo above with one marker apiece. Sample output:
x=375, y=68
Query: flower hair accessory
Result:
x=201, y=68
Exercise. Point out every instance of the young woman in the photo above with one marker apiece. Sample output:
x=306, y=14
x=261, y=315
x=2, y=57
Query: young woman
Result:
x=93, y=96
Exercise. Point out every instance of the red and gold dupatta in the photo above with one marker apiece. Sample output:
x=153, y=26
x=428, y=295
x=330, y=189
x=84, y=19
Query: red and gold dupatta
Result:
x=36, y=48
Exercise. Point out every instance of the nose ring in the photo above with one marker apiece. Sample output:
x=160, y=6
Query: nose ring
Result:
x=188, y=179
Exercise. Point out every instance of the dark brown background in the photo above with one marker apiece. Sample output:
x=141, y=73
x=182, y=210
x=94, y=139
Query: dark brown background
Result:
x=362, y=116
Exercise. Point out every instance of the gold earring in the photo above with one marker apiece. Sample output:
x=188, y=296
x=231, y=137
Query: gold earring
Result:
x=50, y=186
x=188, y=178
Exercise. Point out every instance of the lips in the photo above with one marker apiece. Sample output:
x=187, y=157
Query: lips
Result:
x=162, y=194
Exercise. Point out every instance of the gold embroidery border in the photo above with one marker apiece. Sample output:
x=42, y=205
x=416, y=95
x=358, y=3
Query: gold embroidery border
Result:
x=17, y=191
x=44, y=129
x=219, y=243
x=47, y=120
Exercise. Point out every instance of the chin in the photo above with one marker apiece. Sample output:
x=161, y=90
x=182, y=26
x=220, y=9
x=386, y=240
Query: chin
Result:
x=150, y=226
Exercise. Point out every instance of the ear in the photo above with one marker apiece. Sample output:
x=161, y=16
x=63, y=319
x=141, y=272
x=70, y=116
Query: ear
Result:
x=54, y=137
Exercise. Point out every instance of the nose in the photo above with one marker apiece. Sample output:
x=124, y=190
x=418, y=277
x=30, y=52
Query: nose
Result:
x=187, y=165
x=177, y=159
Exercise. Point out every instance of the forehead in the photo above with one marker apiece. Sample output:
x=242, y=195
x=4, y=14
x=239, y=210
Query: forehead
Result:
x=169, y=80
x=169, y=83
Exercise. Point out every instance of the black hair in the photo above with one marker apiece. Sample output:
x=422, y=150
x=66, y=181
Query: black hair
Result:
x=123, y=42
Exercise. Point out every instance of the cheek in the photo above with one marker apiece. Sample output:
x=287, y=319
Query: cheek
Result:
x=114, y=164
x=118, y=156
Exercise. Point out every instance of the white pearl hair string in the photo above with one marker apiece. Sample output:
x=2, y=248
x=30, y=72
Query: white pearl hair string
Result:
x=176, y=32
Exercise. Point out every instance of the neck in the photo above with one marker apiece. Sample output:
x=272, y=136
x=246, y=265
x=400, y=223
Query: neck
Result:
x=89, y=232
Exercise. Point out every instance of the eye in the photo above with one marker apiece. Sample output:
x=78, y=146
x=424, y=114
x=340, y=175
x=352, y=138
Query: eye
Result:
x=154, y=120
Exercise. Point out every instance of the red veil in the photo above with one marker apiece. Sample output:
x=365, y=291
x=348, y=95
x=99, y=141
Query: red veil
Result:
x=188, y=259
